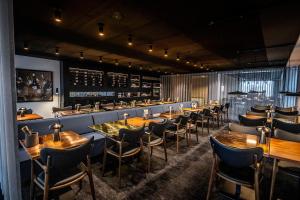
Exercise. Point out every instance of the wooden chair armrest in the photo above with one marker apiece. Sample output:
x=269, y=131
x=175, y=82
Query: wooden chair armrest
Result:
x=43, y=167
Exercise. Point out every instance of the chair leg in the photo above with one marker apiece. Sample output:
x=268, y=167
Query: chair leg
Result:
x=165, y=149
x=151, y=151
x=256, y=185
x=202, y=128
x=104, y=162
x=211, y=179
x=119, y=171
x=177, y=143
x=149, y=158
x=197, y=136
x=32, y=180
x=92, y=185
x=187, y=138
x=46, y=189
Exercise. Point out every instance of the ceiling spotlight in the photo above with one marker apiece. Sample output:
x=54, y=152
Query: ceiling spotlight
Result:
x=158, y=71
x=207, y=69
x=150, y=48
x=141, y=68
x=116, y=62
x=201, y=67
x=195, y=65
x=25, y=46
x=57, y=51
x=129, y=64
x=166, y=72
x=100, y=29
x=57, y=15
x=166, y=53
x=100, y=59
x=187, y=62
x=130, y=40
x=81, y=55
x=178, y=57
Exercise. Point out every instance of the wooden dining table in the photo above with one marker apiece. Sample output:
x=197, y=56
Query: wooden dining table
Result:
x=171, y=116
x=269, y=120
x=111, y=129
x=198, y=109
x=274, y=148
x=68, y=139
x=28, y=117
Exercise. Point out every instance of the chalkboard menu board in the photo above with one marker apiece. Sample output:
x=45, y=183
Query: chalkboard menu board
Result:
x=86, y=77
x=117, y=80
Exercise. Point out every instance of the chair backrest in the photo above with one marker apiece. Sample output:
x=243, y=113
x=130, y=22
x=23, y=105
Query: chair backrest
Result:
x=285, y=135
x=206, y=112
x=131, y=136
x=194, y=116
x=288, y=109
x=184, y=120
x=227, y=105
x=158, y=128
x=287, y=113
x=68, y=158
x=288, y=117
x=290, y=127
x=261, y=107
x=258, y=110
x=252, y=122
x=243, y=129
x=263, y=114
x=236, y=157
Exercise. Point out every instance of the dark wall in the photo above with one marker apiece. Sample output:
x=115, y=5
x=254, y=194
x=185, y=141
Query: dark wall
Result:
x=67, y=83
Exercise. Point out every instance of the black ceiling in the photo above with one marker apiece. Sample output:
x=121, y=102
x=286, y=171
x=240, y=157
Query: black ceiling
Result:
x=214, y=34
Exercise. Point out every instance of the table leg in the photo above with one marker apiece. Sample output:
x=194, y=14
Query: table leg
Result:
x=273, y=179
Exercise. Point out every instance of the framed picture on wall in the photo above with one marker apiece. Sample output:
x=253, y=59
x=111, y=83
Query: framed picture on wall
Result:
x=34, y=85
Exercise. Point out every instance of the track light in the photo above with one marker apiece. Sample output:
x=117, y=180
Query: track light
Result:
x=116, y=62
x=81, y=55
x=57, y=51
x=129, y=64
x=150, y=48
x=57, y=15
x=25, y=46
x=100, y=59
x=166, y=53
x=100, y=29
x=177, y=58
x=130, y=40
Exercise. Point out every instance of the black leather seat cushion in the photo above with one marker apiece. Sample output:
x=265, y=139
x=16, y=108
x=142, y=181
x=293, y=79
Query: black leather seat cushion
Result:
x=292, y=171
x=243, y=175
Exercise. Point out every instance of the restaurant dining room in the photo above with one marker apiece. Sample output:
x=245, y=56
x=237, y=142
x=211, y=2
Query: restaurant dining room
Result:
x=152, y=100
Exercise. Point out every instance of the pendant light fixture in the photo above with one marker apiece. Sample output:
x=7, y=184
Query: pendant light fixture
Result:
x=187, y=62
x=100, y=29
x=26, y=46
x=201, y=66
x=100, y=59
x=150, y=48
x=57, y=51
x=57, y=15
x=166, y=53
x=129, y=64
x=130, y=40
x=81, y=55
x=116, y=62
x=178, y=57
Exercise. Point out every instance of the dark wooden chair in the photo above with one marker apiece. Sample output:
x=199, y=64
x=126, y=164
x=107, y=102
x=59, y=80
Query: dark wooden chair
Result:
x=62, y=168
x=179, y=128
x=252, y=122
x=239, y=166
x=129, y=144
x=155, y=137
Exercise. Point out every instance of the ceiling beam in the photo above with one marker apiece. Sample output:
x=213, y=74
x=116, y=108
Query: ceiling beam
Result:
x=57, y=34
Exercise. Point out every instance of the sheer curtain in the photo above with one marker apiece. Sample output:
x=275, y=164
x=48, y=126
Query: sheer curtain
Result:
x=262, y=85
x=9, y=165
